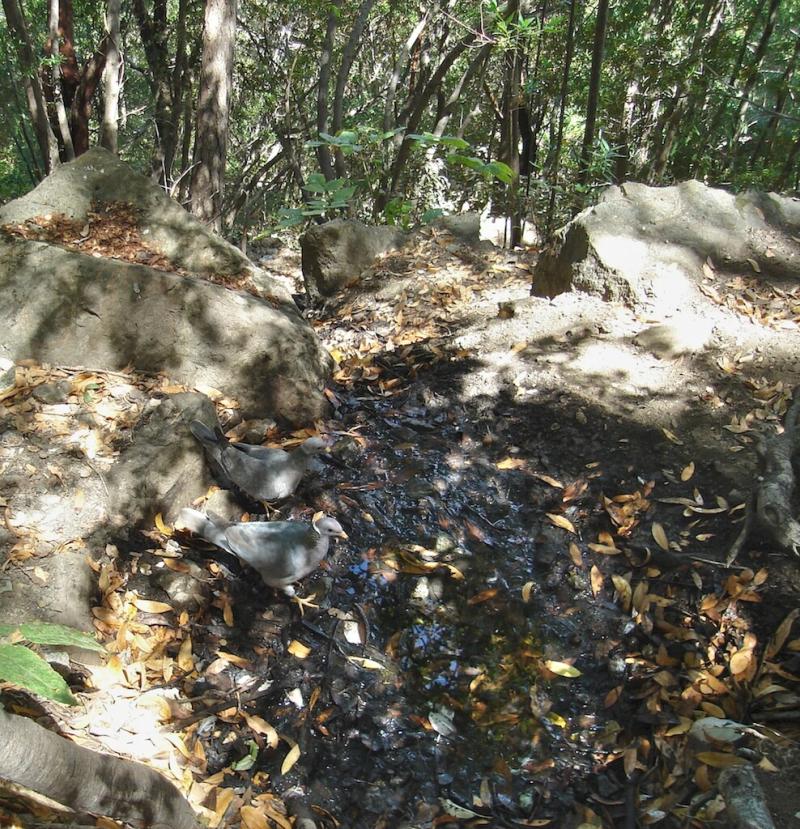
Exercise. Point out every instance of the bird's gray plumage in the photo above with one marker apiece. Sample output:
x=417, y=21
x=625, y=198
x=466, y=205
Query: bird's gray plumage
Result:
x=282, y=552
x=260, y=472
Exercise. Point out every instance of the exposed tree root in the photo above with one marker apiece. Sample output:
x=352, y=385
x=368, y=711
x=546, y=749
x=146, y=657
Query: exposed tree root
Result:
x=770, y=505
x=86, y=781
x=744, y=799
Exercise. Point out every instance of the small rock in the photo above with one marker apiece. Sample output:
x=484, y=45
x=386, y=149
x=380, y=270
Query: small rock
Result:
x=55, y=392
x=684, y=335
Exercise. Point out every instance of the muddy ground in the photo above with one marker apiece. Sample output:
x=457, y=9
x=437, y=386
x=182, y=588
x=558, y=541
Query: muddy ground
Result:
x=533, y=606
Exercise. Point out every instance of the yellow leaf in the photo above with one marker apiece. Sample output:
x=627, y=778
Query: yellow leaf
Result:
x=623, y=589
x=185, y=659
x=575, y=554
x=548, y=480
x=147, y=606
x=161, y=526
x=253, y=818
x=369, y=664
x=741, y=661
x=660, y=536
x=720, y=760
x=223, y=798
x=298, y=649
x=562, y=668
x=561, y=521
x=596, y=579
x=687, y=471
x=526, y=591
x=605, y=549
x=291, y=758
x=671, y=437
x=557, y=719
x=261, y=726
x=511, y=463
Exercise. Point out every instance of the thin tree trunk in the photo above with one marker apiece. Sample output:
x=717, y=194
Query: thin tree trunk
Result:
x=111, y=79
x=211, y=138
x=155, y=33
x=768, y=134
x=348, y=56
x=58, y=98
x=673, y=114
x=556, y=153
x=598, y=49
x=751, y=78
x=399, y=64
x=323, y=151
x=509, y=142
x=45, y=137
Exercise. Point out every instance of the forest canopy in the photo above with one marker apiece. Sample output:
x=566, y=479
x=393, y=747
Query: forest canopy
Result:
x=260, y=115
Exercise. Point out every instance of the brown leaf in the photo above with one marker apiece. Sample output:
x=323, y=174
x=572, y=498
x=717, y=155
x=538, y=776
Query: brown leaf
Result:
x=781, y=634
x=575, y=554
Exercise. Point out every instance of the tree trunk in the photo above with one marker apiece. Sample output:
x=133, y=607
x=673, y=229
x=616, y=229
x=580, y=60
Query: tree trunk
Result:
x=399, y=65
x=509, y=132
x=154, y=33
x=555, y=159
x=768, y=134
x=211, y=139
x=52, y=48
x=348, y=56
x=750, y=81
x=323, y=151
x=45, y=137
x=673, y=114
x=111, y=79
x=594, y=88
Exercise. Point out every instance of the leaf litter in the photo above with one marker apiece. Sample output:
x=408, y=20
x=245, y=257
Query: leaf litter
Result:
x=527, y=657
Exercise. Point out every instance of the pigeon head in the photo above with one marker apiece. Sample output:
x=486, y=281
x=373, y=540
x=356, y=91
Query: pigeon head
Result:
x=313, y=445
x=327, y=526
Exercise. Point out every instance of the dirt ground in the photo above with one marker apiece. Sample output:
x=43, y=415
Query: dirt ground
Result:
x=533, y=607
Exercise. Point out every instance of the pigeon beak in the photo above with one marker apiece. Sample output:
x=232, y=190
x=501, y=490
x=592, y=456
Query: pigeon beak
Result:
x=342, y=534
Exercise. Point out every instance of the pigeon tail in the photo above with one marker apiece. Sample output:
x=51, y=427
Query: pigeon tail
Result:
x=202, y=525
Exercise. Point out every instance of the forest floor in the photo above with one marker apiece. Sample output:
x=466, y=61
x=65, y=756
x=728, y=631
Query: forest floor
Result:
x=532, y=622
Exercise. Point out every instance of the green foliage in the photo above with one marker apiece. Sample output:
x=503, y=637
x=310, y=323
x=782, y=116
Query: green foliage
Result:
x=24, y=667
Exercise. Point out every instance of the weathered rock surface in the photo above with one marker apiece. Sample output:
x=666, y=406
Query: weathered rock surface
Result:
x=645, y=244
x=67, y=308
x=336, y=253
x=98, y=176
x=162, y=469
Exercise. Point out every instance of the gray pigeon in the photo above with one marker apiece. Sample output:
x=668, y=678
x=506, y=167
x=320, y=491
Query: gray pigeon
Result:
x=259, y=472
x=281, y=551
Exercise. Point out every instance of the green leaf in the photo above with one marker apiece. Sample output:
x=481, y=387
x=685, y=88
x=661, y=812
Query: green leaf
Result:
x=27, y=669
x=500, y=171
x=248, y=760
x=562, y=668
x=429, y=215
x=315, y=183
x=49, y=633
x=465, y=161
x=453, y=141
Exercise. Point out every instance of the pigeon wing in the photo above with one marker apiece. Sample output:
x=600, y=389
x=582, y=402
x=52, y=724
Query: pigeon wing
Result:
x=281, y=551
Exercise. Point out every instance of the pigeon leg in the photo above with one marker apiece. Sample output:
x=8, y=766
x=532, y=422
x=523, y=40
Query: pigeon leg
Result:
x=300, y=602
x=271, y=512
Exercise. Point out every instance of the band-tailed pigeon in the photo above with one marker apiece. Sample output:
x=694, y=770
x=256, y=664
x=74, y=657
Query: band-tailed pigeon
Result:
x=260, y=472
x=281, y=551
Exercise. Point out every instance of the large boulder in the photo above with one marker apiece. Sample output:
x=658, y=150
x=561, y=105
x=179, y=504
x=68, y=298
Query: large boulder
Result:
x=641, y=244
x=68, y=308
x=336, y=253
x=99, y=177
